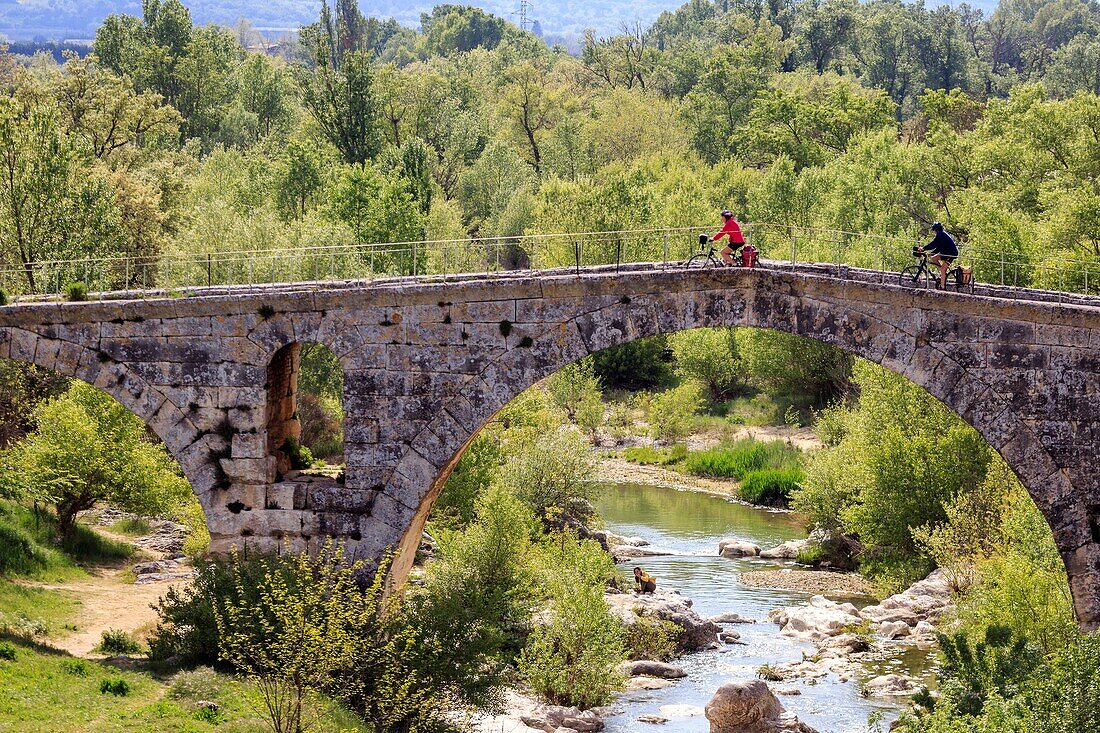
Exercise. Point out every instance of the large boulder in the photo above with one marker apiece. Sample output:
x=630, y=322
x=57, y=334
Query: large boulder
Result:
x=816, y=621
x=750, y=707
x=787, y=551
x=738, y=548
x=696, y=632
x=651, y=668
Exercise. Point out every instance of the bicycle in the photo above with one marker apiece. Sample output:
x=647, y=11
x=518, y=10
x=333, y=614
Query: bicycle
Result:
x=710, y=257
x=923, y=276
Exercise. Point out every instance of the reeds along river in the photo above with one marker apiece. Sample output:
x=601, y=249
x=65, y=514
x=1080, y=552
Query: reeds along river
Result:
x=690, y=525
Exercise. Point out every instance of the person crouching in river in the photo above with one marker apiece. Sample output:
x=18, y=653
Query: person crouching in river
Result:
x=646, y=582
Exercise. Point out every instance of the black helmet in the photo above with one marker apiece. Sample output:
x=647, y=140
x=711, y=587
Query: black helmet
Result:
x=937, y=227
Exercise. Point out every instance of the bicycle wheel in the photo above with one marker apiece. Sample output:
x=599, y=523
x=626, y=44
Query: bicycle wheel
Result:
x=701, y=260
x=913, y=276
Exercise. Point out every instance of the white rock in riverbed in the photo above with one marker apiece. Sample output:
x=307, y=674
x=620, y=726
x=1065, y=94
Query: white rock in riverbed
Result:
x=890, y=685
x=819, y=619
x=738, y=548
x=787, y=551
x=696, y=632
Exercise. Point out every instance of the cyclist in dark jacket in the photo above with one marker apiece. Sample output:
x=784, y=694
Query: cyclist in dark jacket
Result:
x=943, y=250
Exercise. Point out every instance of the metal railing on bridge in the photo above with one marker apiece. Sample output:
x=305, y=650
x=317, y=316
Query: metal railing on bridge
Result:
x=176, y=274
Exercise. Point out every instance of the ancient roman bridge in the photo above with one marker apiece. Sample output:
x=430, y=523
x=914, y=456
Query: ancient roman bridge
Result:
x=427, y=363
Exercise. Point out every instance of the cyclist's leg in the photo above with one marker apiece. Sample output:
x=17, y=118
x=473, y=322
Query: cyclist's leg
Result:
x=942, y=264
x=727, y=256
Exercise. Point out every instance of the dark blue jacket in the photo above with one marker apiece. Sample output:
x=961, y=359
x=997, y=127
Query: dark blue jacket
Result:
x=943, y=244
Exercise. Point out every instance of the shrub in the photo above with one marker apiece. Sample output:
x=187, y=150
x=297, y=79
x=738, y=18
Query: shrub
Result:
x=187, y=627
x=1000, y=663
x=115, y=686
x=672, y=412
x=3, y=297
x=76, y=292
x=812, y=554
x=770, y=486
x=19, y=555
x=575, y=389
x=573, y=659
x=7, y=651
x=651, y=638
x=115, y=641
x=552, y=473
x=77, y=667
x=300, y=457
x=202, y=683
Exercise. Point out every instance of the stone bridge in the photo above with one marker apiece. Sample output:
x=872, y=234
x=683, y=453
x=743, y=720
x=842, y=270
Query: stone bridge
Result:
x=427, y=363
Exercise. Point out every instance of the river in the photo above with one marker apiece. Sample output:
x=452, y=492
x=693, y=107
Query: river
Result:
x=690, y=525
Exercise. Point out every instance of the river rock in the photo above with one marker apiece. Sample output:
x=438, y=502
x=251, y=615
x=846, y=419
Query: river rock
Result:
x=738, y=548
x=926, y=600
x=787, y=551
x=647, y=683
x=889, y=685
x=817, y=620
x=893, y=629
x=696, y=632
x=729, y=637
x=622, y=553
x=732, y=618
x=652, y=719
x=750, y=707
x=651, y=668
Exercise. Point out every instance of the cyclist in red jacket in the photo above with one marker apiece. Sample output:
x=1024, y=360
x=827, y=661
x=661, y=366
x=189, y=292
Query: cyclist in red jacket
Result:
x=732, y=230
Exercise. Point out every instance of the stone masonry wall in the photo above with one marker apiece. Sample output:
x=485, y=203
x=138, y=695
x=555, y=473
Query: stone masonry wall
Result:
x=426, y=364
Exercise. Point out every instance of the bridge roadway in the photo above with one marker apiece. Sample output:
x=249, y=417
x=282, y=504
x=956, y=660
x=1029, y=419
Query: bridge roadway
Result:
x=427, y=361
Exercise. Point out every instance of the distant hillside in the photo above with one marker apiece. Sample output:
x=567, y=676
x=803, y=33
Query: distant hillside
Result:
x=55, y=19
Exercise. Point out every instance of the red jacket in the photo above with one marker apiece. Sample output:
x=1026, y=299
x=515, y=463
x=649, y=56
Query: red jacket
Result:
x=733, y=230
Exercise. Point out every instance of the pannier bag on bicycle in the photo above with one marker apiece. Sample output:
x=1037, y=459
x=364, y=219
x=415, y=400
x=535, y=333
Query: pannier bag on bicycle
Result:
x=749, y=256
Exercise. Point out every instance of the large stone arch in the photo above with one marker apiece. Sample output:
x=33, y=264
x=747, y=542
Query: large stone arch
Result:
x=980, y=365
x=59, y=348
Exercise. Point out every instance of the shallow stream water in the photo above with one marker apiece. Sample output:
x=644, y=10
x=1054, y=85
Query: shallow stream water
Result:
x=690, y=525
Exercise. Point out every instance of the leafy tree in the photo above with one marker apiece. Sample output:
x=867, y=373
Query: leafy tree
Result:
x=88, y=448
x=341, y=100
x=709, y=356
x=638, y=364
x=573, y=659
x=51, y=206
x=459, y=28
x=552, y=474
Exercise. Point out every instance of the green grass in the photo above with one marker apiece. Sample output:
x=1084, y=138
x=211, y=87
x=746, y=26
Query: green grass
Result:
x=737, y=460
x=770, y=486
x=132, y=527
x=46, y=691
x=29, y=548
x=34, y=612
x=646, y=455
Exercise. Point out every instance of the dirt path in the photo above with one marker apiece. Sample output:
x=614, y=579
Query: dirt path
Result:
x=107, y=601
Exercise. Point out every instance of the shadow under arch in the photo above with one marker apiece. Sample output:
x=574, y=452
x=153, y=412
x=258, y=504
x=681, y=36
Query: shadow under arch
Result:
x=972, y=361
